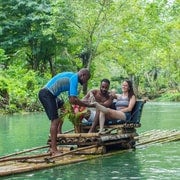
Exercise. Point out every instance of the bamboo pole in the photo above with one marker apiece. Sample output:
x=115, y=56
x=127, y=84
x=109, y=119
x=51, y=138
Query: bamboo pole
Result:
x=159, y=137
x=30, y=150
x=150, y=137
x=93, y=150
x=71, y=130
x=51, y=159
x=25, y=157
x=78, y=135
x=116, y=137
x=70, y=152
x=157, y=134
x=25, y=151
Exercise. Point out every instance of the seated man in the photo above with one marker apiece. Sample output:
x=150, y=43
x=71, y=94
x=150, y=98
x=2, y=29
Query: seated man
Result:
x=103, y=97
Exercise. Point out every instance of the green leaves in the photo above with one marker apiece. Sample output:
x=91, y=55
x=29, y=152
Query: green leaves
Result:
x=115, y=39
x=68, y=113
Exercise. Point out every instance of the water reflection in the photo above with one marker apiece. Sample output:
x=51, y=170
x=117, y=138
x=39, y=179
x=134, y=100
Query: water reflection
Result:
x=21, y=132
x=161, y=161
x=160, y=116
x=118, y=166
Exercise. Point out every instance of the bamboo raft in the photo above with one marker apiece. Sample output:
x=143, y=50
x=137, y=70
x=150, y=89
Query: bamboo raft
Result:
x=94, y=146
x=158, y=136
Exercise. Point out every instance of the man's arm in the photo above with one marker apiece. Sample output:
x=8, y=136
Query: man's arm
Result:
x=109, y=101
x=87, y=97
x=75, y=100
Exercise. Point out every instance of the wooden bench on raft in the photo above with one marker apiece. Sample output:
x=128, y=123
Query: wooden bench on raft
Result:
x=131, y=123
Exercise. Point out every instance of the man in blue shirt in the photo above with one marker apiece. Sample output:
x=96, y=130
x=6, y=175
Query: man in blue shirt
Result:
x=62, y=82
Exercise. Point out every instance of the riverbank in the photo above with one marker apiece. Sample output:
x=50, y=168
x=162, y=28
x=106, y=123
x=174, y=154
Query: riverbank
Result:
x=170, y=96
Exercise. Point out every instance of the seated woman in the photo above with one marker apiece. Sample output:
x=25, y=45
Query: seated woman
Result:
x=124, y=105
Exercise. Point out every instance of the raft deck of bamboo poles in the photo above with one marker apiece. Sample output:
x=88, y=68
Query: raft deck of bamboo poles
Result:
x=117, y=136
x=24, y=161
x=158, y=136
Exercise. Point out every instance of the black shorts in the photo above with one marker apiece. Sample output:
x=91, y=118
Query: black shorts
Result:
x=48, y=101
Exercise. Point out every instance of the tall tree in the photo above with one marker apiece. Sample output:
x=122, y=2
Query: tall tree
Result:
x=22, y=28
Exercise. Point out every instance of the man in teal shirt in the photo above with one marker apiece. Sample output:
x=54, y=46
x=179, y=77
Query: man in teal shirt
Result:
x=62, y=82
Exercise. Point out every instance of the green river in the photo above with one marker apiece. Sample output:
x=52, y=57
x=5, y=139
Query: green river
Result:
x=158, y=161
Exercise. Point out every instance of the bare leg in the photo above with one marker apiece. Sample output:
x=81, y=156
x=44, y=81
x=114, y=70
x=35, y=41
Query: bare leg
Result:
x=114, y=114
x=101, y=121
x=101, y=108
x=60, y=126
x=53, y=132
x=95, y=122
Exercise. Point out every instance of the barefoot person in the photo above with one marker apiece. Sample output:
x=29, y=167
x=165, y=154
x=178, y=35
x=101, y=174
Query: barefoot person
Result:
x=65, y=81
x=124, y=105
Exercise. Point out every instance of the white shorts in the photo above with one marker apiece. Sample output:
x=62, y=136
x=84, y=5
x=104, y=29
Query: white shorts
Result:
x=91, y=117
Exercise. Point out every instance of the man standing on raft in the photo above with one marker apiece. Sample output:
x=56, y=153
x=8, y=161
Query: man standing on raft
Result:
x=62, y=82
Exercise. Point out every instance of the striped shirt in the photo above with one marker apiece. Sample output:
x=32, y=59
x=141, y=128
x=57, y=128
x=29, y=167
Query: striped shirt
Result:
x=122, y=102
x=66, y=81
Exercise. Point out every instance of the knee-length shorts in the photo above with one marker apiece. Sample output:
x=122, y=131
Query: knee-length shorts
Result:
x=49, y=102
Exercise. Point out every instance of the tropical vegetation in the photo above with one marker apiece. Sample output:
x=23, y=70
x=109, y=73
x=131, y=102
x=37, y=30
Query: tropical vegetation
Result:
x=115, y=39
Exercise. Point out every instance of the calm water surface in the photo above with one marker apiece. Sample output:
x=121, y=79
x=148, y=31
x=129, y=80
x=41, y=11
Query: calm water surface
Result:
x=159, y=161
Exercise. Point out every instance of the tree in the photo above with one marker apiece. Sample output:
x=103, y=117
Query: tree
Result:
x=22, y=28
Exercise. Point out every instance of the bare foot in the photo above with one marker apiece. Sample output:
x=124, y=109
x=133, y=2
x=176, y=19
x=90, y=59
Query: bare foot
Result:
x=56, y=153
x=102, y=132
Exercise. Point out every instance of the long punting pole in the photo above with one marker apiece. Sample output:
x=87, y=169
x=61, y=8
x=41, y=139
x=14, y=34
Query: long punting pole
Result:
x=51, y=159
x=25, y=151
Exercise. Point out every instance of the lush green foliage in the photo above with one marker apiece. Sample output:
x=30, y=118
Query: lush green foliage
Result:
x=114, y=39
x=19, y=88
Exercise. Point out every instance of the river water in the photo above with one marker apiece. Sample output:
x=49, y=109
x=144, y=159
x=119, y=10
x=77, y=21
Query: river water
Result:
x=158, y=161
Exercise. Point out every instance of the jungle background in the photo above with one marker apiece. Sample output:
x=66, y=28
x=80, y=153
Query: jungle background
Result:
x=115, y=39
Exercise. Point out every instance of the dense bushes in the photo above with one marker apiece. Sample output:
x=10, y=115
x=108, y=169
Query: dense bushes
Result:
x=18, y=90
x=134, y=39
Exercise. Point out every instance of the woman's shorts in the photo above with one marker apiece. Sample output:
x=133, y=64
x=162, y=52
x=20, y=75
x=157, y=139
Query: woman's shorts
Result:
x=128, y=116
x=49, y=103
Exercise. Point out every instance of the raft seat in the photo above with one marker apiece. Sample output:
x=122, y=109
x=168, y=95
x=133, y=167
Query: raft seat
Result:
x=132, y=122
